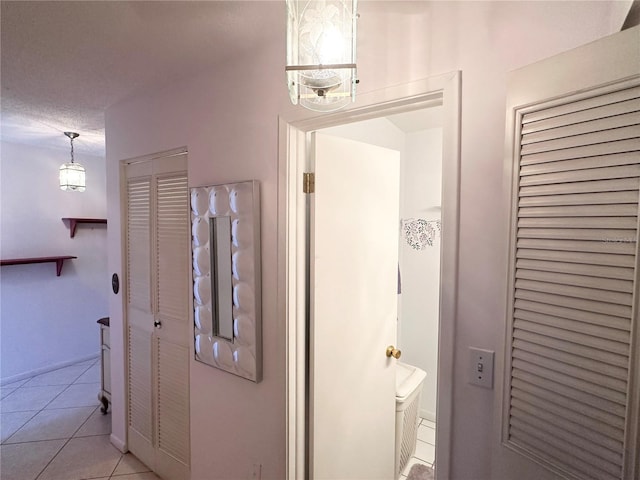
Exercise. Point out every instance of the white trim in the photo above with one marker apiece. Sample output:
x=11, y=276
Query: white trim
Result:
x=444, y=90
x=49, y=368
x=118, y=443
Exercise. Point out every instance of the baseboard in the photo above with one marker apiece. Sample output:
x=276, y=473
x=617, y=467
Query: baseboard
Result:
x=428, y=415
x=119, y=444
x=48, y=368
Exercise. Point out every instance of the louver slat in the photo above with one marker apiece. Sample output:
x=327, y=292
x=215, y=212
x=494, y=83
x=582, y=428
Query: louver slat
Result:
x=138, y=260
x=586, y=105
x=575, y=314
x=573, y=277
x=173, y=248
x=173, y=400
x=571, y=359
x=590, y=294
x=600, y=235
x=609, y=358
x=591, y=139
x=614, y=160
x=589, y=126
x=577, y=269
x=602, y=198
x=140, y=413
x=583, y=464
x=610, y=110
x=614, y=185
x=601, y=331
x=604, y=148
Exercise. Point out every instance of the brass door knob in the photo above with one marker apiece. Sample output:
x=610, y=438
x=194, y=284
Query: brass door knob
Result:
x=393, y=352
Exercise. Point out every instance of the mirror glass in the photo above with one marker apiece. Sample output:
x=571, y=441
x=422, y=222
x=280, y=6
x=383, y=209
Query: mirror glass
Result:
x=221, y=284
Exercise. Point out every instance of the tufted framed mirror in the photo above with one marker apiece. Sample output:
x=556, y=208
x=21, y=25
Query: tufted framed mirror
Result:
x=225, y=221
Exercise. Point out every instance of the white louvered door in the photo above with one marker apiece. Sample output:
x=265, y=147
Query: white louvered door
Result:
x=571, y=376
x=157, y=242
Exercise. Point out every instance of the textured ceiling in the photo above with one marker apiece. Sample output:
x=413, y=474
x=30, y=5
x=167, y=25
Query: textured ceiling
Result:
x=64, y=63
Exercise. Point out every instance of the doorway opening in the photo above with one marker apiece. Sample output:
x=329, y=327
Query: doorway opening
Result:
x=438, y=94
x=417, y=136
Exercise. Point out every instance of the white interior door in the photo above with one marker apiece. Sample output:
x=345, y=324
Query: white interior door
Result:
x=571, y=384
x=354, y=230
x=157, y=243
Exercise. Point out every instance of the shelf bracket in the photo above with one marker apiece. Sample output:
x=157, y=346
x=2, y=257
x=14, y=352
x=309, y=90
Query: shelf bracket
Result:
x=74, y=221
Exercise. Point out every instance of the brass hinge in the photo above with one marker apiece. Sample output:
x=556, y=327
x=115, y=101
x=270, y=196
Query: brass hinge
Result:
x=308, y=182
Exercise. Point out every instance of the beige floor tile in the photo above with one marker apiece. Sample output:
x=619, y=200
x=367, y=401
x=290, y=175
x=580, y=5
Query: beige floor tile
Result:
x=4, y=391
x=97, y=424
x=86, y=457
x=130, y=464
x=17, y=383
x=24, y=461
x=61, y=376
x=11, y=422
x=77, y=395
x=52, y=424
x=92, y=375
x=427, y=434
x=30, y=398
x=137, y=476
x=425, y=452
x=428, y=423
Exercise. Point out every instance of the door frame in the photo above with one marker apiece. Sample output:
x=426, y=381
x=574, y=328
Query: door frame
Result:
x=442, y=90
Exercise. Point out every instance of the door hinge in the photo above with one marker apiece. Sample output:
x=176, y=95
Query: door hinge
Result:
x=308, y=182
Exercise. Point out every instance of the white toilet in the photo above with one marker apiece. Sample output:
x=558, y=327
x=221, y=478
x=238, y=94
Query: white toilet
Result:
x=409, y=381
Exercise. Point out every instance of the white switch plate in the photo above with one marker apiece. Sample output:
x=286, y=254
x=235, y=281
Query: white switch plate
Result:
x=481, y=367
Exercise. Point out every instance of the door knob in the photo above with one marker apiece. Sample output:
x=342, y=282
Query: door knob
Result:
x=393, y=352
x=157, y=323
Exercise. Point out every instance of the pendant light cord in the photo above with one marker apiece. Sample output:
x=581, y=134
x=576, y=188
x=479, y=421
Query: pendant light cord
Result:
x=72, y=150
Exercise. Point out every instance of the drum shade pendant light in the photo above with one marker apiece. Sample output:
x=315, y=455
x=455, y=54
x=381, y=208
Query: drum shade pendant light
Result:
x=321, y=53
x=72, y=175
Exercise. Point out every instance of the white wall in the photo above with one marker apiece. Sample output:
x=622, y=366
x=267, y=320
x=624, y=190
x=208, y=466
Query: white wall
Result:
x=228, y=119
x=48, y=321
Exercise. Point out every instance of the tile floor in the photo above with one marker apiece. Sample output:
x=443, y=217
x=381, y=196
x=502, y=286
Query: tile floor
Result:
x=425, y=447
x=52, y=429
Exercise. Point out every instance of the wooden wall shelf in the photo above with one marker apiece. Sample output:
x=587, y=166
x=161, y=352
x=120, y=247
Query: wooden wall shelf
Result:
x=23, y=261
x=73, y=223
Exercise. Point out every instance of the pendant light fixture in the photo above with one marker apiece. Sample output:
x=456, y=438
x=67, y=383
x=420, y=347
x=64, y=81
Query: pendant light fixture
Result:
x=321, y=53
x=72, y=175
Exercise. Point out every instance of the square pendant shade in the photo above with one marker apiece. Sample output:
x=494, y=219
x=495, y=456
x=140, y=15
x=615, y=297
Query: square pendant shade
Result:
x=72, y=177
x=321, y=53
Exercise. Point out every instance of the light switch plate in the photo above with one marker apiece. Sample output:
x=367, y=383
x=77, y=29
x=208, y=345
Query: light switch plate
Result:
x=481, y=367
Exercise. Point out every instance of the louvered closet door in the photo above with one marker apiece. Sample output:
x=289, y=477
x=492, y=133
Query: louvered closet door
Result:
x=139, y=312
x=570, y=386
x=575, y=290
x=171, y=341
x=158, y=314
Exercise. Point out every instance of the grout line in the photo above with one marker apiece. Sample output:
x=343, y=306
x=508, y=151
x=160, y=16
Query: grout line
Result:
x=36, y=412
x=117, y=464
x=52, y=458
x=82, y=425
x=6, y=440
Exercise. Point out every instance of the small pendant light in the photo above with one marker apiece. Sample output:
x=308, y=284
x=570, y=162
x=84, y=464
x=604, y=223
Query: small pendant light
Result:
x=72, y=175
x=321, y=53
